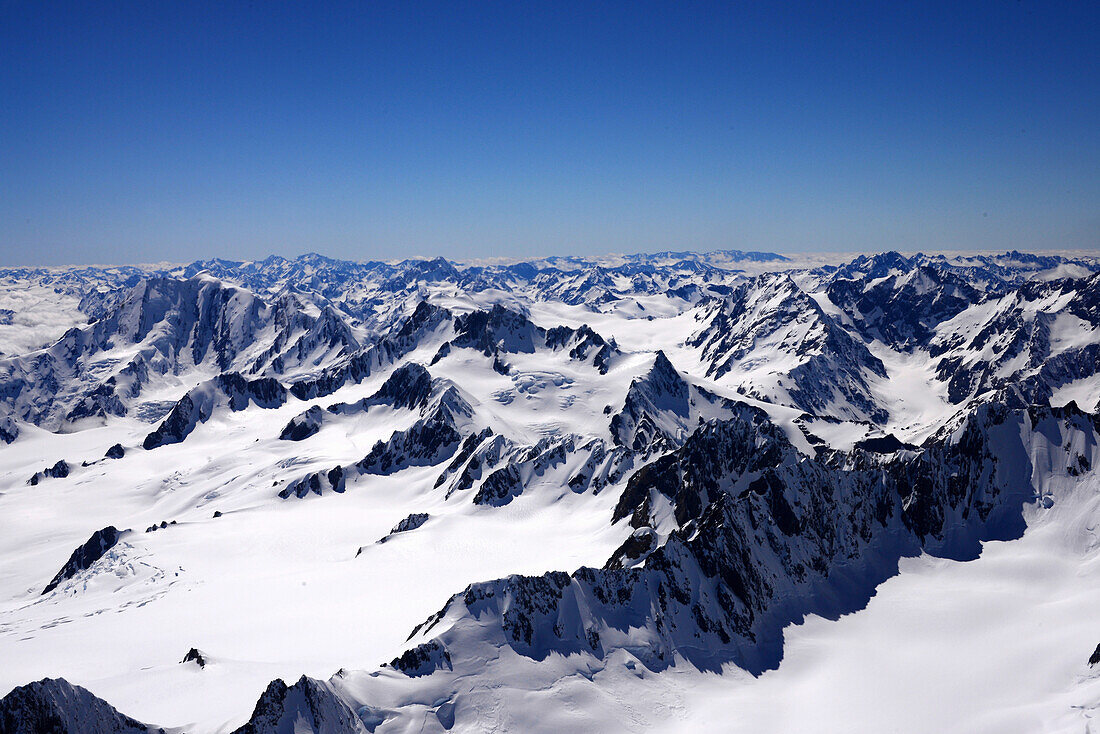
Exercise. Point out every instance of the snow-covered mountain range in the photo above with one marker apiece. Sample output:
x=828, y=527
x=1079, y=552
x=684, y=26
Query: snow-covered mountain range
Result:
x=567, y=494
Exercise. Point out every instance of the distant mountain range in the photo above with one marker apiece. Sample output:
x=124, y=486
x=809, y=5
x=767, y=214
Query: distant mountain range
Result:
x=702, y=449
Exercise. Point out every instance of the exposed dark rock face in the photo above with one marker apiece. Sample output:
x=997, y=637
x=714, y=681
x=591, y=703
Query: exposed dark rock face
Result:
x=530, y=463
x=441, y=353
x=502, y=470
x=300, y=338
x=87, y=554
x=583, y=344
x=9, y=429
x=661, y=409
x=115, y=452
x=429, y=441
x=500, y=487
x=766, y=536
x=179, y=423
x=745, y=445
x=903, y=307
x=1012, y=348
x=412, y=522
x=1095, y=657
x=307, y=706
x=194, y=656
x=501, y=331
x=317, y=482
x=464, y=455
x=637, y=546
x=231, y=390
x=409, y=386
x=263, y=392
x=59, y=470
x=55, y=706
x=833, y=367
x=423, y=659
x=661, y=393
x=162, y=526
x=174, y=325
x=101, y=401
x=391, y=348
x=497, y=329
x=887, y=444
x=303, y=425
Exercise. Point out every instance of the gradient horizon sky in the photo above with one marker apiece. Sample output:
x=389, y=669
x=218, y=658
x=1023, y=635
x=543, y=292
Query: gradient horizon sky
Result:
x=140, y=132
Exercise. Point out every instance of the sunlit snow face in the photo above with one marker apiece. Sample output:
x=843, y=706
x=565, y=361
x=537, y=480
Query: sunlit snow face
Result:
x=519, y=446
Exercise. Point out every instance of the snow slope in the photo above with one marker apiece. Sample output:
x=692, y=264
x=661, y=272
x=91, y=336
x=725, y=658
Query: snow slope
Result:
x=606, y=488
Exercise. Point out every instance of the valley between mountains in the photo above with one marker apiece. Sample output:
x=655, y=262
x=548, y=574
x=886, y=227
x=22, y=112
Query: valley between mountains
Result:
x=730, y=491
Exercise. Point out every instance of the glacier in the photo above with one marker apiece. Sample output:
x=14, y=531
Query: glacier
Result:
x=648, y=492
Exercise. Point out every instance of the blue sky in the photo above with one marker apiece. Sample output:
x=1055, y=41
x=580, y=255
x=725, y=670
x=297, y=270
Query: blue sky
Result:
x=144, y=131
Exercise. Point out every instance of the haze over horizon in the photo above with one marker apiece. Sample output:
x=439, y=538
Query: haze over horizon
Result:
x=178, y=131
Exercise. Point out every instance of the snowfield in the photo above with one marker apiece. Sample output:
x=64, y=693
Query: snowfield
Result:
x=671, y=492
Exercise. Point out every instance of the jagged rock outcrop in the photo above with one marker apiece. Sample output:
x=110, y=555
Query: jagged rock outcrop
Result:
x=305, y=424
x=230, y=390
x=429, y=441
x=55, y=706
x=765, y=535
x=583, y=344
x=87, y=554
x=309, y=705
x=317, y=482
x=302, y=339
x=411, y=522
x=424, y=320
x=161, y=325
x=662, y=408
x=59, y=470
x=903, y=307
x=9, y=429
x=423, y=659
x=194, y=655
x=500, y=331
x=497, y=329
x=774, y=342
x=634, y=549
x=1032, y=340
x=409, y=387
x=471, y=459
x=546, y=461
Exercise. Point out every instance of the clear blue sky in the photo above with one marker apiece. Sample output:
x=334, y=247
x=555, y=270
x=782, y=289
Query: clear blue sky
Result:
x=143, y=131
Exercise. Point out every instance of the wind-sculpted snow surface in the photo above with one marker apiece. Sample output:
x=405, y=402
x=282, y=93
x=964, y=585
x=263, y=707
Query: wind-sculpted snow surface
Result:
x=587, y=486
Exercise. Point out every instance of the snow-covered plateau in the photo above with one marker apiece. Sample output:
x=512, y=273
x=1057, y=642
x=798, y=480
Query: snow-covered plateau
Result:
x=671, y=492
